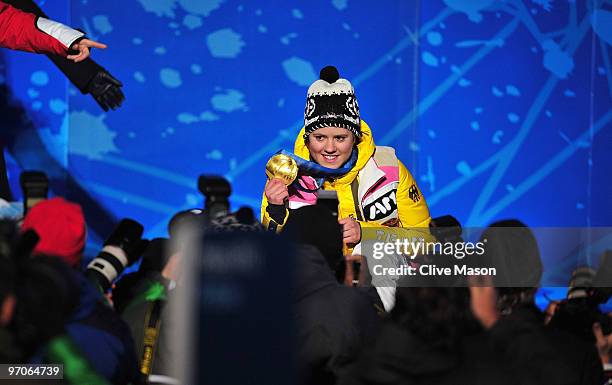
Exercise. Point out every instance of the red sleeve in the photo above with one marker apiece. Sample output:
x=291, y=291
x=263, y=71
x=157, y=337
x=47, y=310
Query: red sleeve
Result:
x=18, y=31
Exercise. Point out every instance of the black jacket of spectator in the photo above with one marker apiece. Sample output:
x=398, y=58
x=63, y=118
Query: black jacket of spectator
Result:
x=54, y=299
x=430, y=337
x=540, y=355
x=333, y=321
x=399, y=357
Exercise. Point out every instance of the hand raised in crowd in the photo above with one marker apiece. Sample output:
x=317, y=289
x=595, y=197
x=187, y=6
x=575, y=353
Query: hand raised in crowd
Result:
x=276, y=191
x=83, y=46
x=172, y=271
x=603, y=343
x=351, y=231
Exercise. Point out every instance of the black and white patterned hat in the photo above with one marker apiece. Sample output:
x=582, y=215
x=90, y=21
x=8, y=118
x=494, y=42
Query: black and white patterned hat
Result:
x=331, y=102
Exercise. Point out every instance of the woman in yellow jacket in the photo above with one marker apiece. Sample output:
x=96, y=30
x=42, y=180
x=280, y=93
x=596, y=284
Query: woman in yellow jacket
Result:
x=335, y=151
x=374, y=188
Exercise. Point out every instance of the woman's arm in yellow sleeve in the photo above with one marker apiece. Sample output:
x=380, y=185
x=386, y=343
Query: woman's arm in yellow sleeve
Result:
x=412, y=211
x=266, y=218
x=411, y=206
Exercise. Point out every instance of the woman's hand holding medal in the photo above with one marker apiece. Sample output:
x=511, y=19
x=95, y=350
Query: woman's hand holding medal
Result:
x=281, y=171
x=276, y=191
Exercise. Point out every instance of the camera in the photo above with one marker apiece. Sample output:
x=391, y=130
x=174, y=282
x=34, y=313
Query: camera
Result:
x=35, y=188
x=587, y=290
x=329, y=199
x=216, y=191
x=14, y=243
x=122, y=248
x=446, y=229
x=187, y=220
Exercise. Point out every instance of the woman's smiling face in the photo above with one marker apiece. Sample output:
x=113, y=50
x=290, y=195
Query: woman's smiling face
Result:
x=330, y=147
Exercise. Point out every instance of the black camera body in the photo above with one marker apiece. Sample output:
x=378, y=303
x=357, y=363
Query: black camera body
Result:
x=216, y=191
x=577, y=316
x=329, y=199
x=578, y=313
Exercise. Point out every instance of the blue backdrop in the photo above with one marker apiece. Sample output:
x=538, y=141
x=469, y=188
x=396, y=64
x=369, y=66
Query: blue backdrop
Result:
x=499, y=108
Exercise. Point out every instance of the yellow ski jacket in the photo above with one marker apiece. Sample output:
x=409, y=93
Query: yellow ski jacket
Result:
x=387, y=194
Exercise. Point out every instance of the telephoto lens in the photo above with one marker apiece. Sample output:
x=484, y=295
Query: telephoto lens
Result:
x=122, y=248
x=581, y=282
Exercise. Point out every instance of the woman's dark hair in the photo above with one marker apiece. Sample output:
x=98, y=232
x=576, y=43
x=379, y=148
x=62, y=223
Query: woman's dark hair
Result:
x=439, y=316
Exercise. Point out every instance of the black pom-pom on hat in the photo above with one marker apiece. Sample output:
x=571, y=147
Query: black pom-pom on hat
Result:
x=329, y=74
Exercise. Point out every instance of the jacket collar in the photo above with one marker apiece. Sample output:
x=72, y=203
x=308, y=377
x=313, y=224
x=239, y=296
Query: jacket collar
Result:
x=370, y=174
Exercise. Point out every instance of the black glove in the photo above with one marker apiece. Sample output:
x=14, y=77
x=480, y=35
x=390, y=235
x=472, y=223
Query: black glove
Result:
x=106, y=90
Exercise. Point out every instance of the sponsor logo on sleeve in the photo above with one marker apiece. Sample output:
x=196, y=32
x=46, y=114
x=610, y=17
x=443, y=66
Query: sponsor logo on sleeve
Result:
x=413, y=193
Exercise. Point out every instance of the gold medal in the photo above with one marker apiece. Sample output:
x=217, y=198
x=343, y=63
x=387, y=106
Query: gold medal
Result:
x=282, y=167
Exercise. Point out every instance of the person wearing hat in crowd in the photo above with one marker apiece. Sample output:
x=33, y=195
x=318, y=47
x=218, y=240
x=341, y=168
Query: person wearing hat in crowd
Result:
x=61, y=227
x=335, y=150
x=99, y=333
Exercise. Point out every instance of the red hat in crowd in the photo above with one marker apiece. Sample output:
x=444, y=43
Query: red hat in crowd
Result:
x=61, y=227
